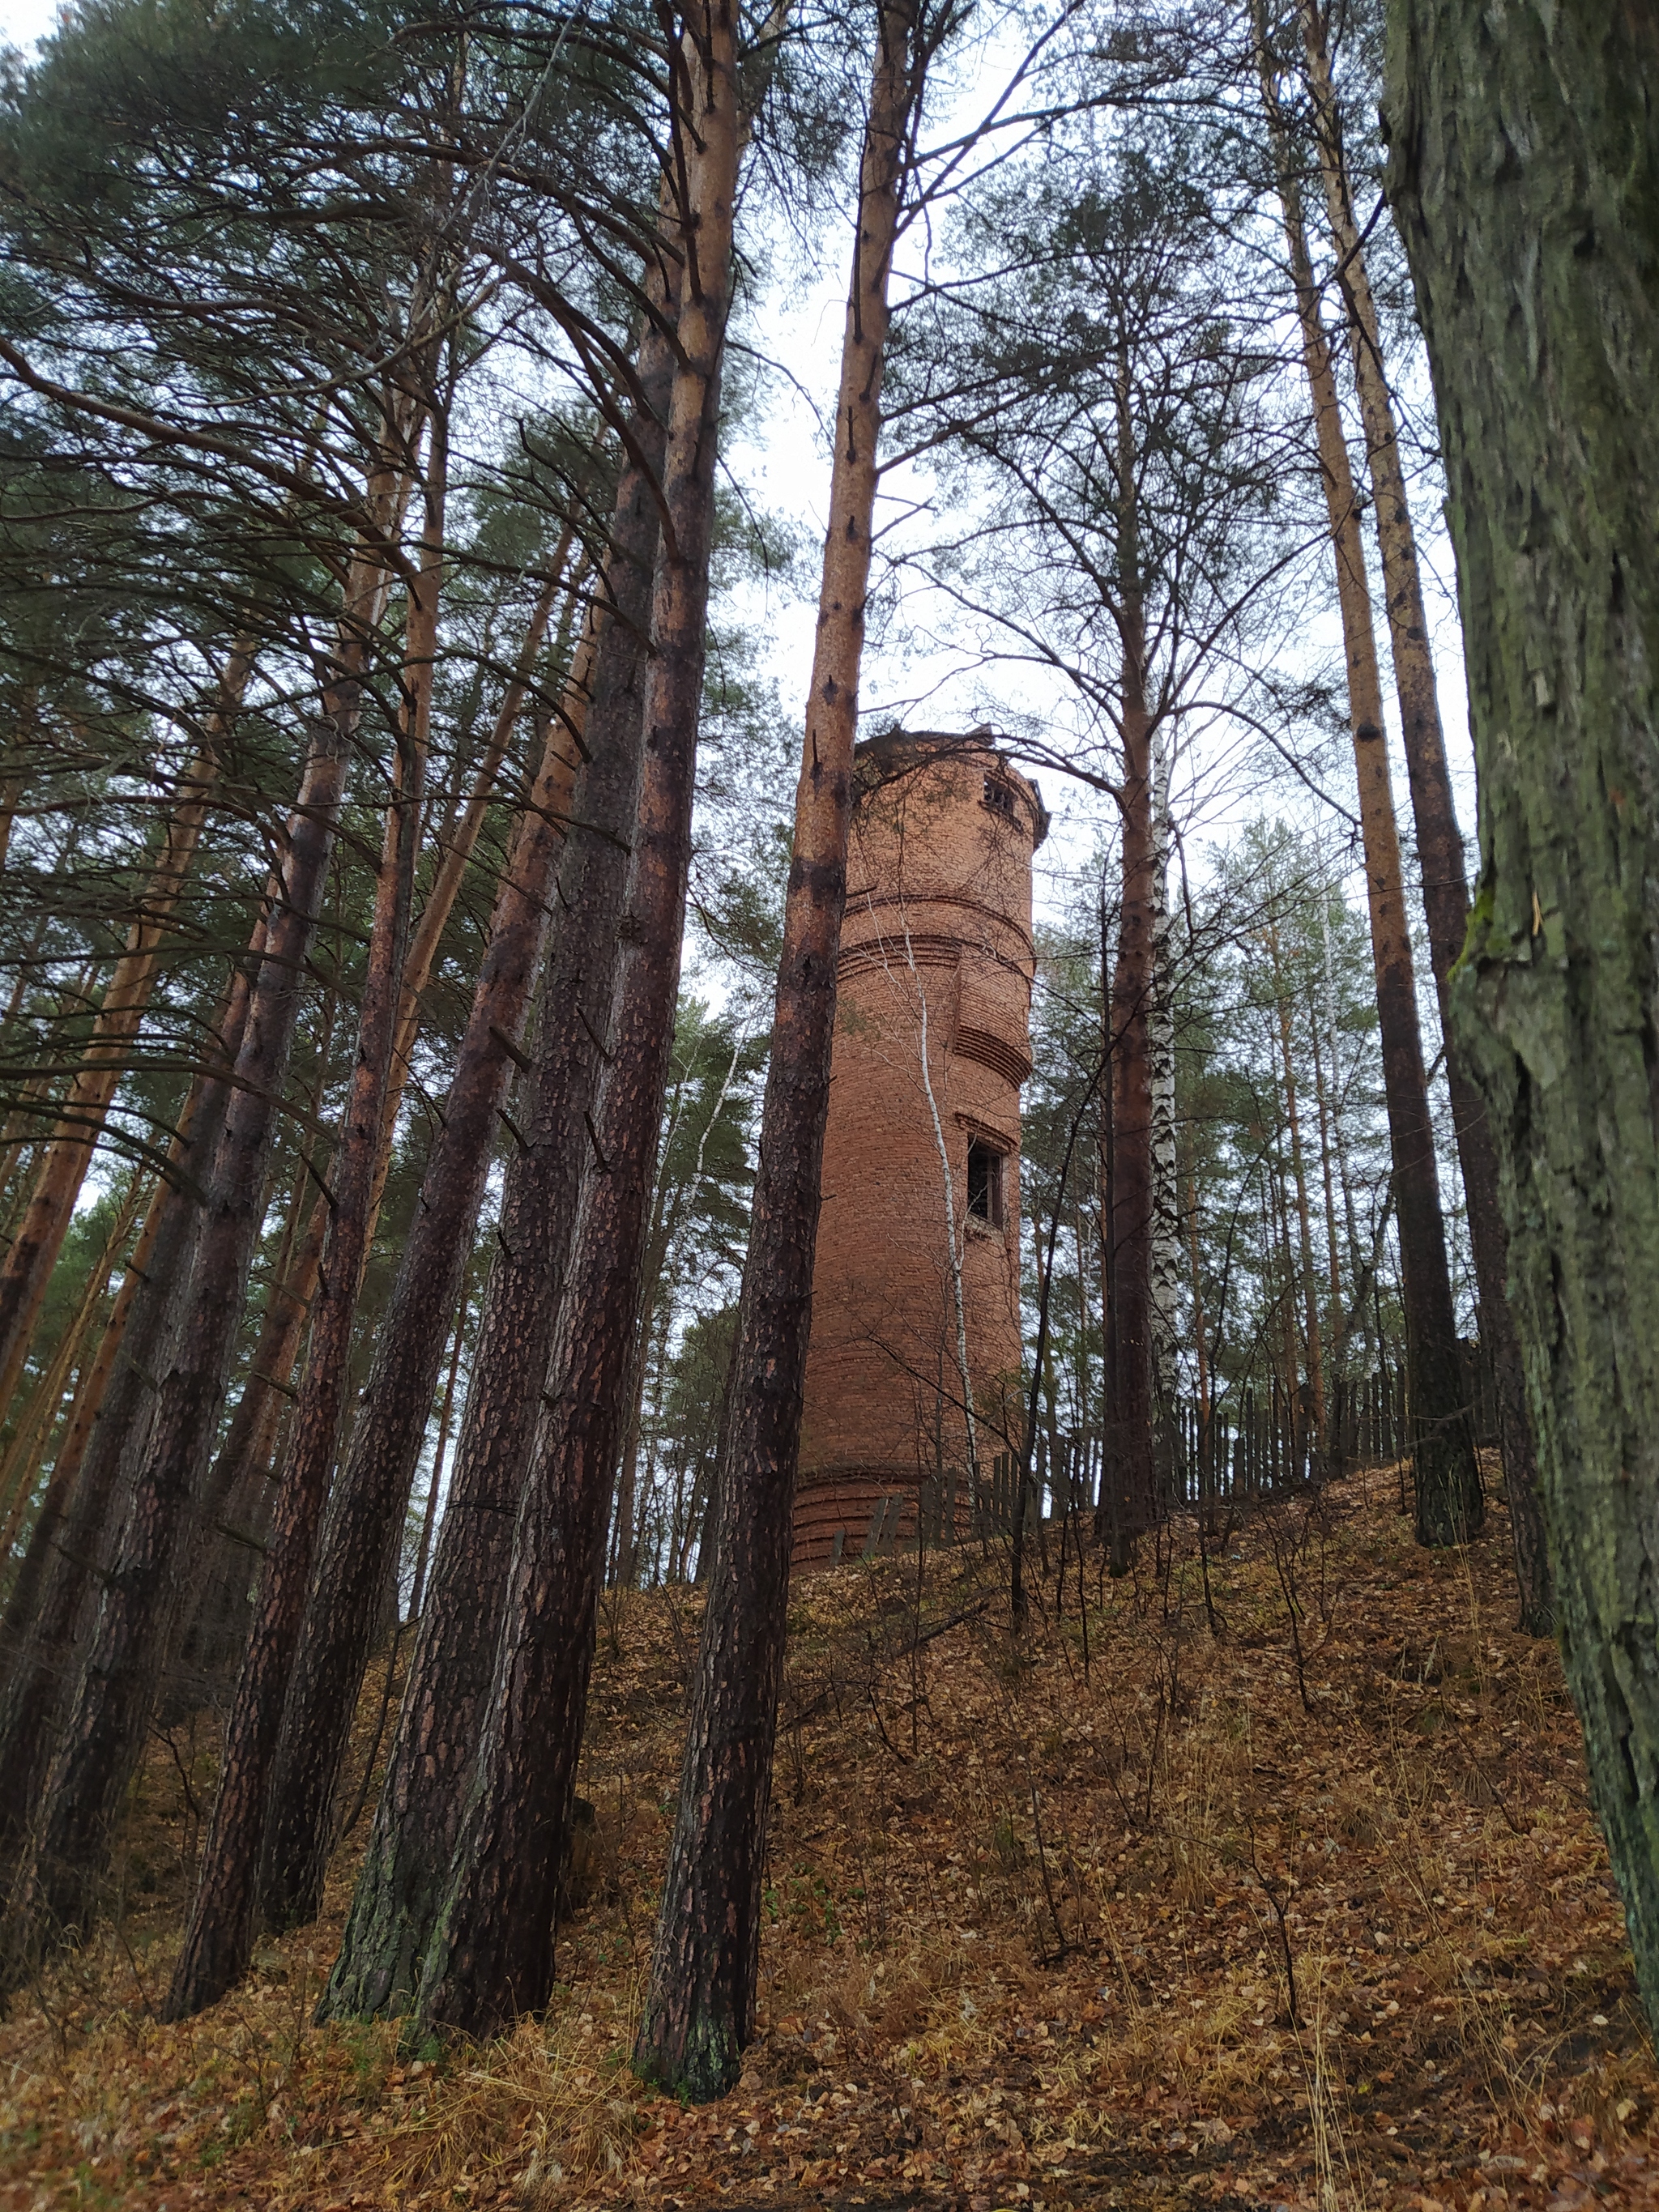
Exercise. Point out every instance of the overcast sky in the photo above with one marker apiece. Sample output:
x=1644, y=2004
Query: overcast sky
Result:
x=784, y=464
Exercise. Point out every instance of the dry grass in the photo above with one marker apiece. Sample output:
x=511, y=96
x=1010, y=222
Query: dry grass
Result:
x=1139, y=1925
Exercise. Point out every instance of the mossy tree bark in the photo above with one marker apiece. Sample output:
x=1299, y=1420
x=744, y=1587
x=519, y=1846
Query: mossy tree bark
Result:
x=699, y=2010
x=491, y=1956
x=1525, y=175
x=1434, y=814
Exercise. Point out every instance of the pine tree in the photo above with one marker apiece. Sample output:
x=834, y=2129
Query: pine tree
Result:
x=1524, y=173
x=1450, y=1505
x=491, y=1958
x=699, y=2011
x=1439, y=842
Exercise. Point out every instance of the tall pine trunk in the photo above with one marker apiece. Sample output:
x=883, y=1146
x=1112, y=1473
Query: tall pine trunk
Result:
x=1313, y=1421
x=400, y=1885
x=1335, y=1443
x=33, y=1254
x=1127, y=1487
x=459, y=842
x=50, y=1614
x=491, y=1956
x=236, y=1496
x=1524, y=172
x=1439, y=841
x=24, y=1595
x=104, y=1731
x=699, y=2010
x=1165, y=1268
x=1449, y=1506
x=236, y=1504
x=20, y=1467
x=356, y=1550
x=218, y=1938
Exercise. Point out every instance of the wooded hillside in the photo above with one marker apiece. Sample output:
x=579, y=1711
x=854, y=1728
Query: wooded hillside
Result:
x=1130, y=1925
x=426, y=835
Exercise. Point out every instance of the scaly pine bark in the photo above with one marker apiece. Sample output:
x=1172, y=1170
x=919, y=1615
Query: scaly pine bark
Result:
x=1449, y=1507
x=699, y=2010
x=491, y=1956
x=219, y=1935
x=356, y=1550
x=1524, y=173
x=401, y=1886
x=1439, y=841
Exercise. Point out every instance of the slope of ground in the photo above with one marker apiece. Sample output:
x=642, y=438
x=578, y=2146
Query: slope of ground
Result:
x=1288, y=1895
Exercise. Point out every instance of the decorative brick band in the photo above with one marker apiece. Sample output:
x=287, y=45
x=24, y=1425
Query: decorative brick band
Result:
x=887, y=956
x=994, y=1053
x=871, y=902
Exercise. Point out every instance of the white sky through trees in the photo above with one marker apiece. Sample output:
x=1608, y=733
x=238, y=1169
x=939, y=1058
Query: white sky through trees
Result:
x=23, y=21
x=916, y=668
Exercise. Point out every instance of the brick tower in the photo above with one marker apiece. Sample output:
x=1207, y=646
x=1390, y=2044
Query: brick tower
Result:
x=931, y=1046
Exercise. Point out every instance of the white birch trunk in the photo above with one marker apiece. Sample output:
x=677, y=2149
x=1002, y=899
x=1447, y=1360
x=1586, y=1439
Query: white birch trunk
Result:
x=1166, y=1265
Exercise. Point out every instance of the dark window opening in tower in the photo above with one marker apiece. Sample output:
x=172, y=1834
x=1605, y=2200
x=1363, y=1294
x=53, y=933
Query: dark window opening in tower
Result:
x=1000, y=796
x=985, y=1182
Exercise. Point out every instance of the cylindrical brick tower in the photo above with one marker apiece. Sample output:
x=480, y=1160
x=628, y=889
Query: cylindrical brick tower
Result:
x=921, y=1152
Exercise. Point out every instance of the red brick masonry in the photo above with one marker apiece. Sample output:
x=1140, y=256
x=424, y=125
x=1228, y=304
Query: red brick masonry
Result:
x=937, y=940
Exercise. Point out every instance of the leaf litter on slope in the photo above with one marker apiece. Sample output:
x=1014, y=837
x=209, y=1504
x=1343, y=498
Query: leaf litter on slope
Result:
x=1182, y=1924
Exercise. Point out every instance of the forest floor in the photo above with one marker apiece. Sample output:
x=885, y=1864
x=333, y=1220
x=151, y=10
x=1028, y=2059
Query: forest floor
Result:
x=1291, y=1900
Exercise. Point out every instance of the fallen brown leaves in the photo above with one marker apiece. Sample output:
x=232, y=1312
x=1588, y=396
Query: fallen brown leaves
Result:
x=1141, y=1913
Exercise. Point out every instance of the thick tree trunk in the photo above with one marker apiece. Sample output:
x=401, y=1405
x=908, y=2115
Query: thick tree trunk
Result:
x=219, y=1936
x=1449, y=1506
x=104, y=1732
x=699, y=2010
x=1439, y=841
x=401, y=1886
x=491, y=1956
x=33, y=1254
x=1524, y=173
x=235, y=1502
x=236, y=1498
x=362, y=1526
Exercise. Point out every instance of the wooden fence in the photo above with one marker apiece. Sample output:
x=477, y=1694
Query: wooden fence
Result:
x=1256, y=1443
